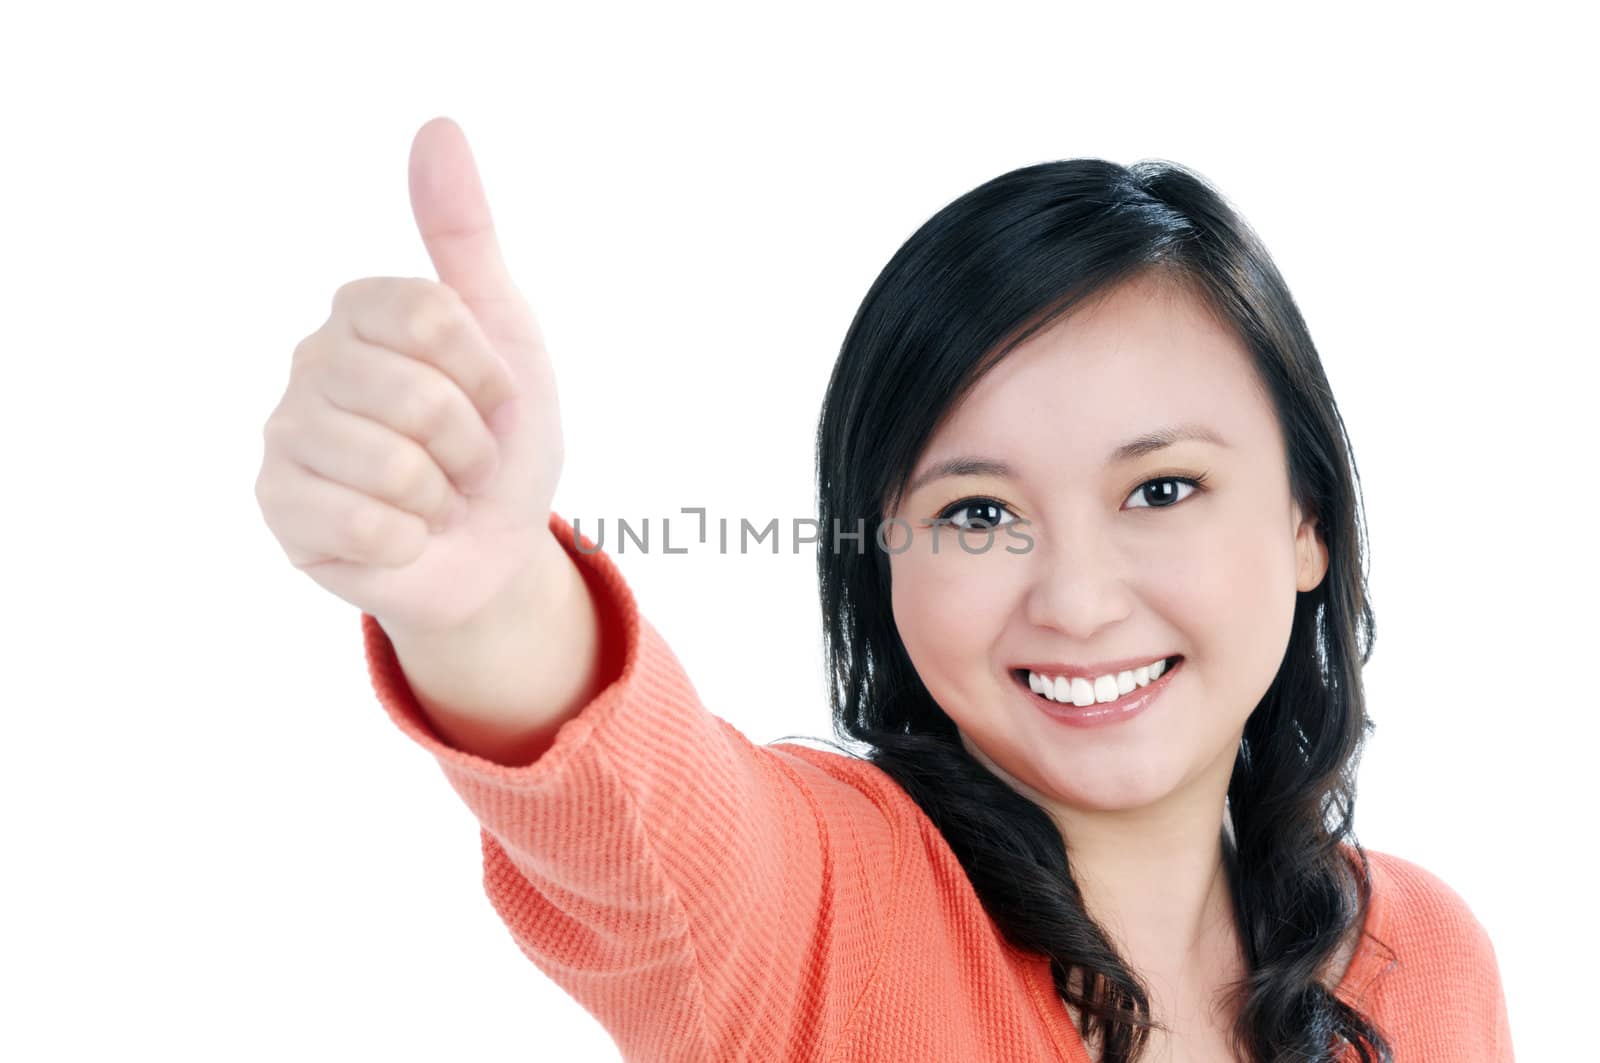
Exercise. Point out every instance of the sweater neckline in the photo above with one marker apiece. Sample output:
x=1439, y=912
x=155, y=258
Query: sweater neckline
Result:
x=1371, y=958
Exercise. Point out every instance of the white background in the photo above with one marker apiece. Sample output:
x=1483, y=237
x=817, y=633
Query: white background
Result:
x=219, y=847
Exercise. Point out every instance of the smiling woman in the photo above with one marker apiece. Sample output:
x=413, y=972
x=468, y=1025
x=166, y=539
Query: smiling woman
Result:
x=1137, y=723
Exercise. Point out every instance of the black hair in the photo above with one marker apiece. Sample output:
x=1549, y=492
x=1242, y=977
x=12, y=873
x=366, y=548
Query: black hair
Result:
x=983, y=274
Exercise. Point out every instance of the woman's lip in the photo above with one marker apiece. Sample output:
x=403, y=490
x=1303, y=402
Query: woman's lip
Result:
x=1127, y=664
x=1128, y=705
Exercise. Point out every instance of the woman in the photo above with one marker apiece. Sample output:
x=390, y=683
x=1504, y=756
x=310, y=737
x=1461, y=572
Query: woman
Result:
x=1075, y=348
x=1093, y=595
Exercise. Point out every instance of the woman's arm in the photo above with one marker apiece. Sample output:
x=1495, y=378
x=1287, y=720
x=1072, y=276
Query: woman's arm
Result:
x=702, y=896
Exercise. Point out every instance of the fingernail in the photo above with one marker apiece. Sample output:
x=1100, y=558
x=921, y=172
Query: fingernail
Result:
x=503, y=417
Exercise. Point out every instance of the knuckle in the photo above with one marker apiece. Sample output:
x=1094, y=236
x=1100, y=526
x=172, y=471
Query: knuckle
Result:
x=302, y=374
x=288, y=423
x=276, y=432
x=431, y=411
x=360, y=528
x=304, y=349
x=264, y=491
x=313, y=354
x=362, y=291
x=484, y=378
x=350, y=293
x=324, y=354
x=432, y=317
x=403, y=473
x=272, y=499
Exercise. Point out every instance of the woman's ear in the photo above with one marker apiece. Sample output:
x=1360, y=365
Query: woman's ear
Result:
x=1312, y=555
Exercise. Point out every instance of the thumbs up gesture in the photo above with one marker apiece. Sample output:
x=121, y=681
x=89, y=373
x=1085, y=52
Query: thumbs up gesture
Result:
x=410, y=466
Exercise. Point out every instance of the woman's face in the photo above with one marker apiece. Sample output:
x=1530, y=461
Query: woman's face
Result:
x=1116, y=570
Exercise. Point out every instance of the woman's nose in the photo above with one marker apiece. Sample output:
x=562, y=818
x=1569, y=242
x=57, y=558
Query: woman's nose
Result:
x=1076, y=586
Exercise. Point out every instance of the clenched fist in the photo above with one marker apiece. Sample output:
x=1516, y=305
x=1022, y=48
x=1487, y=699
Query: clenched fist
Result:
x=410, y=466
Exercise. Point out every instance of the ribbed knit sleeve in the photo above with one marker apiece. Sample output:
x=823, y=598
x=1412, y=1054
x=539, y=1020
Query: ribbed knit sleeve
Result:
x=703, y=897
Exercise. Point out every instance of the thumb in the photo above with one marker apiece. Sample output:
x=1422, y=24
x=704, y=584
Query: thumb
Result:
x=453, y=217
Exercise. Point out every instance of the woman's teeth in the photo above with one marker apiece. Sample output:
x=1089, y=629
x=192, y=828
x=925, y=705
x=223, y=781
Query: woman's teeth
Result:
x=1081, y=692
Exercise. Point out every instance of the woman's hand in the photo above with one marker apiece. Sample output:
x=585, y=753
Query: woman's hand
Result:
x=394, y=473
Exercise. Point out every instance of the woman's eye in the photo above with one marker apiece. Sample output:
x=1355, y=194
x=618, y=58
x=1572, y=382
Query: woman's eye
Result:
x=985, y=512
x=1165, y=498
x=1163, y=492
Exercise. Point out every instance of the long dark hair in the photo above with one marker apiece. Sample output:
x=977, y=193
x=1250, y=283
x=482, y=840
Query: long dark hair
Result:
x=983, y=274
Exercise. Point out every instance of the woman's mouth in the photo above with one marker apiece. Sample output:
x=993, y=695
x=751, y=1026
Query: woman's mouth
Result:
x=1100, y=693
x=1103, y=701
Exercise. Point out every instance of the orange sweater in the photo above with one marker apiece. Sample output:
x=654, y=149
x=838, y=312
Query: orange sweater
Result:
x=709, y=899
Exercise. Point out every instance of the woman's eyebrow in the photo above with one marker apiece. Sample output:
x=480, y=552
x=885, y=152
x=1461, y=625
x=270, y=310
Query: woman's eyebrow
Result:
x=963, y=466
x=1138, y=447
x=1151, y=442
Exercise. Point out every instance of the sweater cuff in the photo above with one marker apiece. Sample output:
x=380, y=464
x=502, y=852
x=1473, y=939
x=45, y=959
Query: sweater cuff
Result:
x=617, y=615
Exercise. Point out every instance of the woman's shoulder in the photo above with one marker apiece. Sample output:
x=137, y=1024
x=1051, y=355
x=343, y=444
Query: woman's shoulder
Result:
x=852, y=791
x=1425, y=920
x=1434, y=968
x=1416, y=893
x=832, y=768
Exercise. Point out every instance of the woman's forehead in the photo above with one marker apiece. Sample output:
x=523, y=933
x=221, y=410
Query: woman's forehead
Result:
x=1104, y=411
